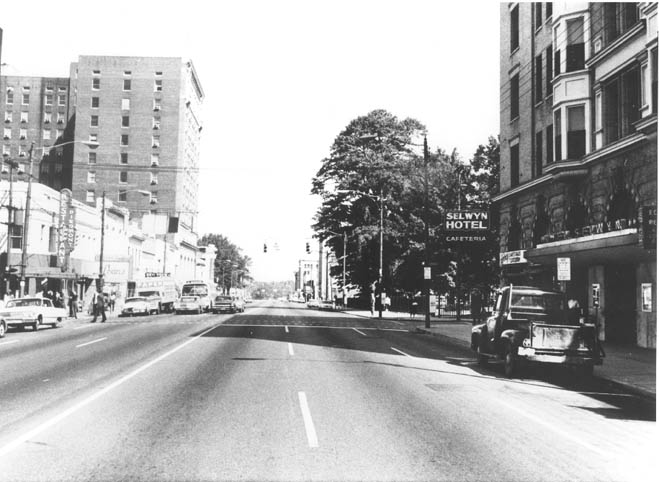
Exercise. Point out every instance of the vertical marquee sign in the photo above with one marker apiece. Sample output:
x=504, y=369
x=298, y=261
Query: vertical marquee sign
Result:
x=66, y=229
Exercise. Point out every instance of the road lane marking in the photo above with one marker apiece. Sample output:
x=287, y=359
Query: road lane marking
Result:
x=552, y=427
x=360, y=332
x=81, y=327
x=401, y=352
x=312, y=438
x=286, y=328
x=83, y=403
x=9, y=342
x=91, y=342
x=290, y=350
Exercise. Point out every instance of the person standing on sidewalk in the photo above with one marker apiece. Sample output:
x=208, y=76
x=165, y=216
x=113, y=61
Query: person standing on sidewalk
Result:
x=99, y=304
x=73, y=304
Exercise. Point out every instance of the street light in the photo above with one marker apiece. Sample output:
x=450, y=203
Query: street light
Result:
x=26, y=222
x=100, y=258
x=380, y=200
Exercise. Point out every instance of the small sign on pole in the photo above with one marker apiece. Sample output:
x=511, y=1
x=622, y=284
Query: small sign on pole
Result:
x=563, y=269
x=427, y=272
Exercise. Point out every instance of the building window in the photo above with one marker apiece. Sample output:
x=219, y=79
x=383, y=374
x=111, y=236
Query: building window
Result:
x=576, y=132
x=24, y=117
x=549, y=140
x=156, y=123
x=155, y=160
x=59, y=132
x=60, y=118
x=618, y=19
x=90, y=196
x=49, y=99
x=122, y=196
x=94, y=121
x=124, y=158
x=47, y=117
x=157, y=85
x=96, y=83
x=548, y=9
x=514, y=96
x=154, y=197
x=91, y=176
x=126, y=84
x=125, y=121
x=91, y=158
x=653, y=56
x=10, y=96
x=557, y=55
x=548, y=63
x=125, y=104
x=26, y=99
x=156, y=105
x=49, y=88
x=514, y=165
x=6, y=150
x=93, y=137
x=542, y=222
x=514, y=236
x=61, y=100
x=538, y=78
x=158, y=74
x=124, y=139
x=8, y=117
x=621, y=104
x=16, y=236
x=538, y=152
x=155, y=141
x=46, y=135
x=22, y=134
x=537, y=6
x=95, y=102
x=7, y=133
x=96, y=72
x=574, y=51
x=514, y=28
x=154, y=178
x=128, y=72
x=557, y=136
x=123, y=177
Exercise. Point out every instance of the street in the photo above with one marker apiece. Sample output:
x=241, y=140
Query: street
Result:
x=282, y=392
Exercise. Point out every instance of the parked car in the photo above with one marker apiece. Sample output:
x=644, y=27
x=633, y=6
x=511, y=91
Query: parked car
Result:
x=32, y=311
x=141, y=305
x=189, y=304
x=227, y=304
x=534, y=325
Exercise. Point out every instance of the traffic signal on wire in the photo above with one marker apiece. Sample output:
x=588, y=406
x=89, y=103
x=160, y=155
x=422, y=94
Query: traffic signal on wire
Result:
x=308, y=248
x=265, y=248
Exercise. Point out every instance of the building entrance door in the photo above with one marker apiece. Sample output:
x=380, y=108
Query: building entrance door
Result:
x=620, y=299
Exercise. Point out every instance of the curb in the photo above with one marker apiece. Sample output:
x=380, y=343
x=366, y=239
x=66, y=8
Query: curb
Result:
x=441, y=335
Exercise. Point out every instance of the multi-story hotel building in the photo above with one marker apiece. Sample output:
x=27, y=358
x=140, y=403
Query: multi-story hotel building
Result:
x=144, y=113
x=578, y=120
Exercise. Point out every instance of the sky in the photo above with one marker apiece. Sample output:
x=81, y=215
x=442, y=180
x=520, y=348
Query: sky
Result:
x=282, y=79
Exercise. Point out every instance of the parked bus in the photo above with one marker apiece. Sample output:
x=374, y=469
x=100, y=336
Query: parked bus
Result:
x=201, y=289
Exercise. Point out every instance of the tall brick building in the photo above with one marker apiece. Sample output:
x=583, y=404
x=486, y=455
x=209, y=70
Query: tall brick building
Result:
x=578, y=114
x=144, y=112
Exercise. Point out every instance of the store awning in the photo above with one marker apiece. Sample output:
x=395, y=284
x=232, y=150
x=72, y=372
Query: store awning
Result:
x=605, y=248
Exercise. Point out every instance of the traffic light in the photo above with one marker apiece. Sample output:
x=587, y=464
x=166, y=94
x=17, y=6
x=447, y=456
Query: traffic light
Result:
x=265, y=248
x=308, y=248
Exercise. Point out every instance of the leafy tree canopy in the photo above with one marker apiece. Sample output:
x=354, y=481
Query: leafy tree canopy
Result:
x=231, y=266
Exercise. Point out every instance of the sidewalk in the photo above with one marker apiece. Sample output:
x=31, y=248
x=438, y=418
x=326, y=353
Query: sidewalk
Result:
x=630, y=367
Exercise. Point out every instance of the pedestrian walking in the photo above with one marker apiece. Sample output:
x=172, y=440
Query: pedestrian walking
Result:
x=372, y=303
x=73, y=304
x=387, y=302
x=414, y=304
x=476, y=306
x=99, y=305
x=113, y=299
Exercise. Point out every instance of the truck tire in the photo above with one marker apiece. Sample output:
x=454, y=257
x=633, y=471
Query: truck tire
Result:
x=3, y=329
x=480, y=358
x=509, y=361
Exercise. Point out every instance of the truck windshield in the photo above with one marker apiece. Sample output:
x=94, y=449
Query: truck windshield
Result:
x=194, y=290
x=538, y=302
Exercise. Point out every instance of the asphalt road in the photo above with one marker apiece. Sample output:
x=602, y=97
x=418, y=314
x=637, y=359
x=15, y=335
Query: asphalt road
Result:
x=281, y=392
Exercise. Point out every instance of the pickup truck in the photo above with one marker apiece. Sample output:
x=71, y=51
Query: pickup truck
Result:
x=534, y=325
x=33, y=311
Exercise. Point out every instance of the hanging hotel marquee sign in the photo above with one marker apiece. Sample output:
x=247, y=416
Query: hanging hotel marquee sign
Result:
x=466, y=226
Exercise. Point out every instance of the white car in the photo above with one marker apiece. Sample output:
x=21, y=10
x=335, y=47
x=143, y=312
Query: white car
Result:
x=140, y=305
x=188, y=303
x=34, y=312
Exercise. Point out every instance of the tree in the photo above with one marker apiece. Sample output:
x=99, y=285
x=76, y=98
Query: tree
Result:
x=231, y=267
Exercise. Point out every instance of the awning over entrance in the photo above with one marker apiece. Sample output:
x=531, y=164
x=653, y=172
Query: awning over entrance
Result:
x=605, y=248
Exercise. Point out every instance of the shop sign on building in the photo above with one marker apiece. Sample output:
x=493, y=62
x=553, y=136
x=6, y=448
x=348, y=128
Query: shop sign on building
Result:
x=466, y=226
x=512, y=257
x=563, y=269
x=66, y=229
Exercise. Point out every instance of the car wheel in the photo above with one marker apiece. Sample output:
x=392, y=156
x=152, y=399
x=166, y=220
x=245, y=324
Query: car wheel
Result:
x=35, y=325
x=480, y=358
x=3, y=329
x=199, y=311
x=509, y=361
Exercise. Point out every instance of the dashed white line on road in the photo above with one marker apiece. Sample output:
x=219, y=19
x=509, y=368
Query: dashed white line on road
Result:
x=9, y=342
x=401, y=352
x=360, y=332
x=290, y=350
x=4, y=450
x=91, y=342
x=312, y=438
x=81, y=327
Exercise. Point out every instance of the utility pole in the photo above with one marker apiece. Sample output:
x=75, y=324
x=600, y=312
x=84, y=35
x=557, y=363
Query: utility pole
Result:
x=100, y=258
x=345, y=243
x=381, y=249
x=10, y=225
x=26, y=224
x=426, y=216
x=320, y=269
